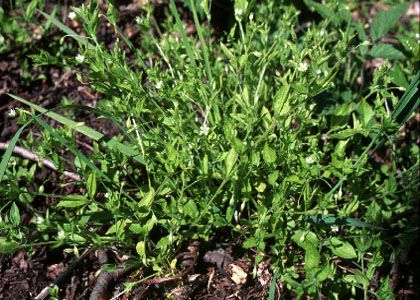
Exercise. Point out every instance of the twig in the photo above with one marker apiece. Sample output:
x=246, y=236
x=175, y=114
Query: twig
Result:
x=43, y=161
x=105, y=278
x=44, y=293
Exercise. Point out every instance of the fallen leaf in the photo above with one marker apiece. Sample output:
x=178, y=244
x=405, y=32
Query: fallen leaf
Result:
x=238, y=275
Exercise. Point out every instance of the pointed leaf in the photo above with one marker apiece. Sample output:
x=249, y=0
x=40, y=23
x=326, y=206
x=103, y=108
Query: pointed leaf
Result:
x=312, y=257
x=230, y=161
x=386, y=51
x=91, y=184
x=148, y=199
x=72, y=201
x=269, y=155
x=342, y=249
x=8, y=247
x=385, y=20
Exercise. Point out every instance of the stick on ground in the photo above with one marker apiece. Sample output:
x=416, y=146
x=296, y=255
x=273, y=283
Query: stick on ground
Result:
x=35, y=157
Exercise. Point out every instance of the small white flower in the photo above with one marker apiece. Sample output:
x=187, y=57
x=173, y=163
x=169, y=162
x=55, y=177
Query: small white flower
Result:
x=309, y=160
x=39, y=220
x=204, y=130
x=106, y=195
x=318, y=71
x=72, y=15
x=335, y=228
x=159, y=85
x=12, y=113
x=61, y=235
x=417, y=35
x=238, y=12
x=303, y=66
x=80, y=58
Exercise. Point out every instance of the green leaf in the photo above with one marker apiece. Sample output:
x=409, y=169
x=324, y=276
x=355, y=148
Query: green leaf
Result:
x=366, y=112
x=146, y=228
x=250, y=243
x=230, y=161
x=227, y=52
x=361, y=278
x=312, y=256
x=281, y=103
x=148, y=199
x=261, y=187
x=398, y=76
x=386, y=51
x=342, y=249
x=191, y=208
x=269, y=155
x=344, y=134
x=141, y=249
x=72, y=201
x=410, y=44
x=326, y=272
x=112, y=13
x=361, y=224
x=8, y=247
x=303, y=238
x=323, y=10
x=14, y=214
x=294, y=178
x=272, y=178
x=91, y=184
x=385, y=20
x=340, y=148
x=31, y=8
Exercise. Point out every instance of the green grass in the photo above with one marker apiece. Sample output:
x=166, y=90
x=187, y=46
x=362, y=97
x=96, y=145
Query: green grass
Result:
x=266, y=136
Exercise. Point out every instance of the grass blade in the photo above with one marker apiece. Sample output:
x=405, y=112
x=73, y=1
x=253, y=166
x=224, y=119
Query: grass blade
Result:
x=89, y=132
x=405, y=107
x=67, y=30
x=183, y=34
x=202, y=41
x=409, y=101
x=272, y=290
x=73, y=150
x=8, y=153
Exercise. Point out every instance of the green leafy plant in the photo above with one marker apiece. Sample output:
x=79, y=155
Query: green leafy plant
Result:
x=265, y=135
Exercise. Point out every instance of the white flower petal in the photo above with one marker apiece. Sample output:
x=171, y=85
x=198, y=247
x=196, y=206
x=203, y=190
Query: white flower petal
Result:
x=72, y=15
x=12, y=113
x=80, y=58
